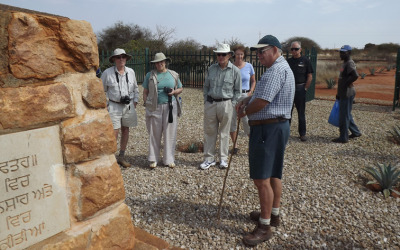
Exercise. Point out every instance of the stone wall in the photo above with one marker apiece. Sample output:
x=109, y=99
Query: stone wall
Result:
x=47, y=80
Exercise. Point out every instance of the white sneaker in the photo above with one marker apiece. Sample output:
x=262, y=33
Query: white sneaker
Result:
x=223, y=164
x=206, y=164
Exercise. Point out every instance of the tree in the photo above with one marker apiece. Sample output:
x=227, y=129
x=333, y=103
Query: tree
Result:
x=305, y=43
x=163, y=34
x=120, y=34
x=186, y=45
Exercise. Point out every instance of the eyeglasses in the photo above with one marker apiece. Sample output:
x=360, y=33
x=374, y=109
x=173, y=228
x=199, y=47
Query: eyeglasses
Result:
x=259, y=51
x=120, y=57
x=221, y=54
x=292, y=49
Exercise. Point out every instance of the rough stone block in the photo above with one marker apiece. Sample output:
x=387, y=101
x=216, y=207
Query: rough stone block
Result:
x=61, y=44
x=88, y=137
x=112, y=230
x=101, y=186
x=32, y=106
x=93, y=94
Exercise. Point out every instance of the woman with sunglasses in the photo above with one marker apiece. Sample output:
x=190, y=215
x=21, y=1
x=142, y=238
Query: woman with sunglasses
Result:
x=222, y=89
x=248, y=85
x=161, y=88
x=122, y=95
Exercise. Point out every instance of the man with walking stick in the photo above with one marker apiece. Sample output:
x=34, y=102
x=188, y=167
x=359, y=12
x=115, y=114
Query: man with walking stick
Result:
x=268, y=111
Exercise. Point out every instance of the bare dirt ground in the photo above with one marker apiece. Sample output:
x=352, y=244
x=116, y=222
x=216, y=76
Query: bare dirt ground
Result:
x=373, y=89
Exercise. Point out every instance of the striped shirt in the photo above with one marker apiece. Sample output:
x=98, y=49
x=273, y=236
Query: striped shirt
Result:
x=277, y=86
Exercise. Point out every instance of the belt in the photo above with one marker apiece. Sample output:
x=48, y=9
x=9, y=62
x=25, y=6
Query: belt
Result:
x=245, y=91
x=211, y=100
x=117, y=102
x=266, y=121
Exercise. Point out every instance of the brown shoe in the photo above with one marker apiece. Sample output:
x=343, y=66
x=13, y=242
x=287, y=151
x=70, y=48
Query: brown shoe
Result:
x=121, y=161
x=303, y=138
x=275, y=220
x=260, y=233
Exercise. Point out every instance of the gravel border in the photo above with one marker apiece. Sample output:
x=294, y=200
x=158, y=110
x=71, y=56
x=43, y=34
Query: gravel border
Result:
x=325, y=204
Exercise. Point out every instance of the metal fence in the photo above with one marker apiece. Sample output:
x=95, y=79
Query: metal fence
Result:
x=192, y=66
x=396, y=97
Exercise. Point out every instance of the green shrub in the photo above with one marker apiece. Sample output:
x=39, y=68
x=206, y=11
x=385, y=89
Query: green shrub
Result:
x=387, y=176
x=193, y=148
x=372, y=71
x=330, y=82
x=381, y=70
x=362, y=75
x=389, y=67
x=396, y=133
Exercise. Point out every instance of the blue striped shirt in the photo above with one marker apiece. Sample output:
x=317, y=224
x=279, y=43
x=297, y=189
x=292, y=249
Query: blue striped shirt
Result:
x=276, y=86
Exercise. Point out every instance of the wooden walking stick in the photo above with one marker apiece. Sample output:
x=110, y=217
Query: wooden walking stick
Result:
x=227, y=169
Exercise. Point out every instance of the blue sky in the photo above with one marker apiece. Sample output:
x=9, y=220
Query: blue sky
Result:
x=330, y=23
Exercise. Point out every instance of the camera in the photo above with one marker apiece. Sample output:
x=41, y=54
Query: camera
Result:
x=125, y=99
x=167, y=90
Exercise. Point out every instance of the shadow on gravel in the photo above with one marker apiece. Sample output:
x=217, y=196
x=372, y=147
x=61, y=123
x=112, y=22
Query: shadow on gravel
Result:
x=195, y=215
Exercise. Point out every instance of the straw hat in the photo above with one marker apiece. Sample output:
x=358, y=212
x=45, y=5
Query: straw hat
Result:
x=160, y=57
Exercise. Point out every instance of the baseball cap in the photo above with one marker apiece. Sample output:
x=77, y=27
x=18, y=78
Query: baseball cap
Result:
x=268, y=40
x=345, y=48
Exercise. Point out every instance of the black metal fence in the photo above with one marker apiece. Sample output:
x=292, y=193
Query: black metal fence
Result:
x=396, y=97
x=192, y=66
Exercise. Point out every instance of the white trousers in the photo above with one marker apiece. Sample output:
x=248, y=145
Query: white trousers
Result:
x=157, y=127
x=217, y=119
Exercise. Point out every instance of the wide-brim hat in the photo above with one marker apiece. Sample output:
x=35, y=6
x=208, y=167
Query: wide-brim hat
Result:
x=223, y=48
x=268, y=40
x=118, y=52
x=158, y=57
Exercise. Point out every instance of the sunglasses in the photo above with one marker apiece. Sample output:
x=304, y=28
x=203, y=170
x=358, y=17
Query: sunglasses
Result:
x=293, y=49
x=120, y=57
x=222, y=54
x=259, y=51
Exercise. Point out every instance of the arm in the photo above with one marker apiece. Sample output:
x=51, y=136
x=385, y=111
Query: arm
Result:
x=255, y=106
x=135, y=91
x=252, y=85
x=145, y=94
x=309, y=79
x=237, y=87
x=353, y=76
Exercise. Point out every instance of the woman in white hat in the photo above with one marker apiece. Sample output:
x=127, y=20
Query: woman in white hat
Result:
x=122, y=94
x=160, y=90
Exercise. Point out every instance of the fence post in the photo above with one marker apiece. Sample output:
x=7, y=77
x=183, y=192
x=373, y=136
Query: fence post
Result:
x=396, y=96
x=147, y=60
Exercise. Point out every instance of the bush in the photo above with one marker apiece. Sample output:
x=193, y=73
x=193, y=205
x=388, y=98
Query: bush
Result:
x=330, y=82
x=396, y=133
x=386, y=176
x=362, y=75
x=372, y=71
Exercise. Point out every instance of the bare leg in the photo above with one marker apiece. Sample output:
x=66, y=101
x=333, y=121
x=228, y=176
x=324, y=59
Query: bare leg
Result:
x=266, y=196
x=276, y=185
x=124, y=137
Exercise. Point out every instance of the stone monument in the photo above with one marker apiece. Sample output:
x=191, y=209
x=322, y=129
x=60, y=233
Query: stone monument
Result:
x=60, y=185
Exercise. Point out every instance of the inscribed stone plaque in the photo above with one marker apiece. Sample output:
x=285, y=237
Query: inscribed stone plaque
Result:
x=33, y=203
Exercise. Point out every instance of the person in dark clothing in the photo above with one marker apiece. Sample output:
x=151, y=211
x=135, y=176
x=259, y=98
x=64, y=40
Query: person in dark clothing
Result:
x=302, y=70
x=345, y=95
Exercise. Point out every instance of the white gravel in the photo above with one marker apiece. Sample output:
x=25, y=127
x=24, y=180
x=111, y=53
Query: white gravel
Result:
x=325, y=204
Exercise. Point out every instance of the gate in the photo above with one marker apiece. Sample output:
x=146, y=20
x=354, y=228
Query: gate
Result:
x=192, y=66
x=396, y=97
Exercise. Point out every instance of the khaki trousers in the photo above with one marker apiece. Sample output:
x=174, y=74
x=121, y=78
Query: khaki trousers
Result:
x=217, y=119
x=245, y=120
x=158, y=126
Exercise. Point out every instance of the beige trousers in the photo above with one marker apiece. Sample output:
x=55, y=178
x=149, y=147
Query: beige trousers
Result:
x=157, y=127
x=217, y=119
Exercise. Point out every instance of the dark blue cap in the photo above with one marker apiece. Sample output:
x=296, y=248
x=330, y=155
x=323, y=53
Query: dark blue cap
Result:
x=268, y=40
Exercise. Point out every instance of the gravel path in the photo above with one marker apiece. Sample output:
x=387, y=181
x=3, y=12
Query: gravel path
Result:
x=325, y=204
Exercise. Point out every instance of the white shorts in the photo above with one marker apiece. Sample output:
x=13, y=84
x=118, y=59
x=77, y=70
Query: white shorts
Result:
x=122, y=114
